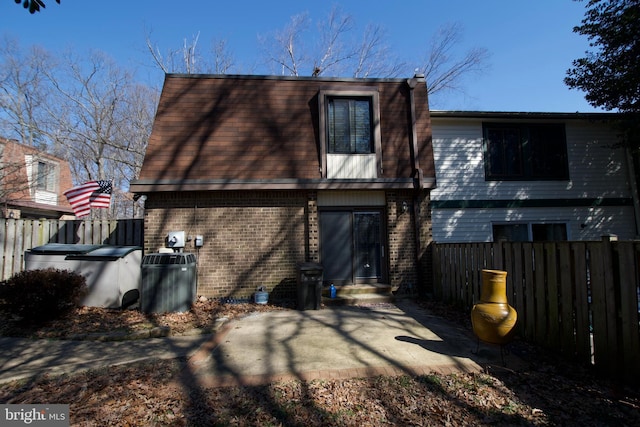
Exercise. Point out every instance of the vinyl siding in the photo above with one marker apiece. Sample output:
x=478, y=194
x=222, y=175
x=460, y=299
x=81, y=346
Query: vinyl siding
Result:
x=351, y=166
x=475, y=225
x=597, y=169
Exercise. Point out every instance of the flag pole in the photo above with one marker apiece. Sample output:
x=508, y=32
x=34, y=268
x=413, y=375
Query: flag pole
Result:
x=111, y=202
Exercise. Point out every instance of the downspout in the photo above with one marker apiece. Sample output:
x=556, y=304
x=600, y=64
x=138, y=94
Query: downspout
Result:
x=417, y=174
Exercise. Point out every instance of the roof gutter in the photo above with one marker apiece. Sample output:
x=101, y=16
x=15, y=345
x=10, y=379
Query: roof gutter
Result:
x=144, y=186
x=417, y=174
x=452, y=114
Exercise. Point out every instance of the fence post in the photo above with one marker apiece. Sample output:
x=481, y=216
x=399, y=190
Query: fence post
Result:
x=553, y=306
x=528, y=315
x=627, y=266
x=612, y=295
x=567, y=341
x=581, y=288
x=437, y=272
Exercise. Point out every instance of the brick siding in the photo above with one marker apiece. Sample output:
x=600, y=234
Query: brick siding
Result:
x=400, y=230
x=251, y=239
x=425, y=229
x=256, y=238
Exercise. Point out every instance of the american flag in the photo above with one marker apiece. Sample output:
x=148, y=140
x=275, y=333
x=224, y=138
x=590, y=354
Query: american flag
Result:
x=91, y=194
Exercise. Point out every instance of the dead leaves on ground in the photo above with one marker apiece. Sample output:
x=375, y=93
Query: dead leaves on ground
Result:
x=94, y=320
x=549, y=392
x=152, y=393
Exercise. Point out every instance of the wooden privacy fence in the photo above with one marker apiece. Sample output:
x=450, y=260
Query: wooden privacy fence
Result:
x=18, y=235
x=577, y=298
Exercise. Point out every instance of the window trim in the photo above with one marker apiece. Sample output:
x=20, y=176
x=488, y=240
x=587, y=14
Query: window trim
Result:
x=50, y=176
x=526, y=152
x=352, y=124
x=361, y=92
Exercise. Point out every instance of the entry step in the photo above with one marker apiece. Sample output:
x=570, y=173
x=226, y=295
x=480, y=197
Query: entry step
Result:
x=378, y=288
x=358, y=294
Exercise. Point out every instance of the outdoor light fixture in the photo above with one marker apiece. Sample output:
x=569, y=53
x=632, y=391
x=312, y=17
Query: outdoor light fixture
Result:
x=405, y=206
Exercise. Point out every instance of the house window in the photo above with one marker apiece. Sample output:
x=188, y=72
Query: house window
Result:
x=525, y=152
x=549, y=232
x=349, y=125
x=350, y=133
x=529, y=232
x=45, y=176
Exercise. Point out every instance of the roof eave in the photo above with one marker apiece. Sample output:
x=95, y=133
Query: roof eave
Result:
x=143, y=186
x=454, y=114
x=419, y=77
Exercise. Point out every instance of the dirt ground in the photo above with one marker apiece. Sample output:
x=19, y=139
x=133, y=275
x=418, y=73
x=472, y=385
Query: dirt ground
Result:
x=549, y=392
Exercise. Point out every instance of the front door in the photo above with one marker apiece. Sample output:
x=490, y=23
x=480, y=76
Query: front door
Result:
x=351, y=245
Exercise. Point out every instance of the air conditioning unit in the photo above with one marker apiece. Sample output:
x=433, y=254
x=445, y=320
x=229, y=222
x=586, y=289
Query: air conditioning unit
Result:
x=168, y=282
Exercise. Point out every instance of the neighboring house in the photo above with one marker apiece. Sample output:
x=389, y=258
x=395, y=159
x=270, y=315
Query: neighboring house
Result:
x=274, y=171
x=529, y=177
x=32, y=182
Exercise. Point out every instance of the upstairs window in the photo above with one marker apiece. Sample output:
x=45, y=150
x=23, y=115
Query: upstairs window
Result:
x=45, y=176
x=349, y=125
x=525, y=152
x=349, y=120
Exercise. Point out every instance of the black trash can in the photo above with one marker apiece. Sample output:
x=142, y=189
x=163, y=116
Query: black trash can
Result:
x=309, y=286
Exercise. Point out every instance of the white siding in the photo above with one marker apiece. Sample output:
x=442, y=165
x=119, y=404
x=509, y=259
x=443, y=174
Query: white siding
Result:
x=475, y=225
x=28, y=161
x=597, y=166
x=46, y=197
x=351, y=166
x=596, y=169
x=37, y=195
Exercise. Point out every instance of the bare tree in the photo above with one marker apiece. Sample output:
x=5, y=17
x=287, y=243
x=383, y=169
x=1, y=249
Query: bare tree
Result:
x=374, y=57
x=85, y=109
x=101, y=119
x=85, y=113
x=333, y=49
x=23, y=92
x=188, y=59
x=284, y=47
x=223, y=61
x=13, y=181
x=443, y=69
x=336, y=51
x=138, y=110
x=181, y=60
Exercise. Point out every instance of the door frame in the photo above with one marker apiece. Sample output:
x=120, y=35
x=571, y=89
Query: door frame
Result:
x=384, y=263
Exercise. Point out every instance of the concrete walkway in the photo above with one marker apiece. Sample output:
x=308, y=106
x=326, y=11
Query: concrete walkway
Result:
x=279, y=345
x=24, y=358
